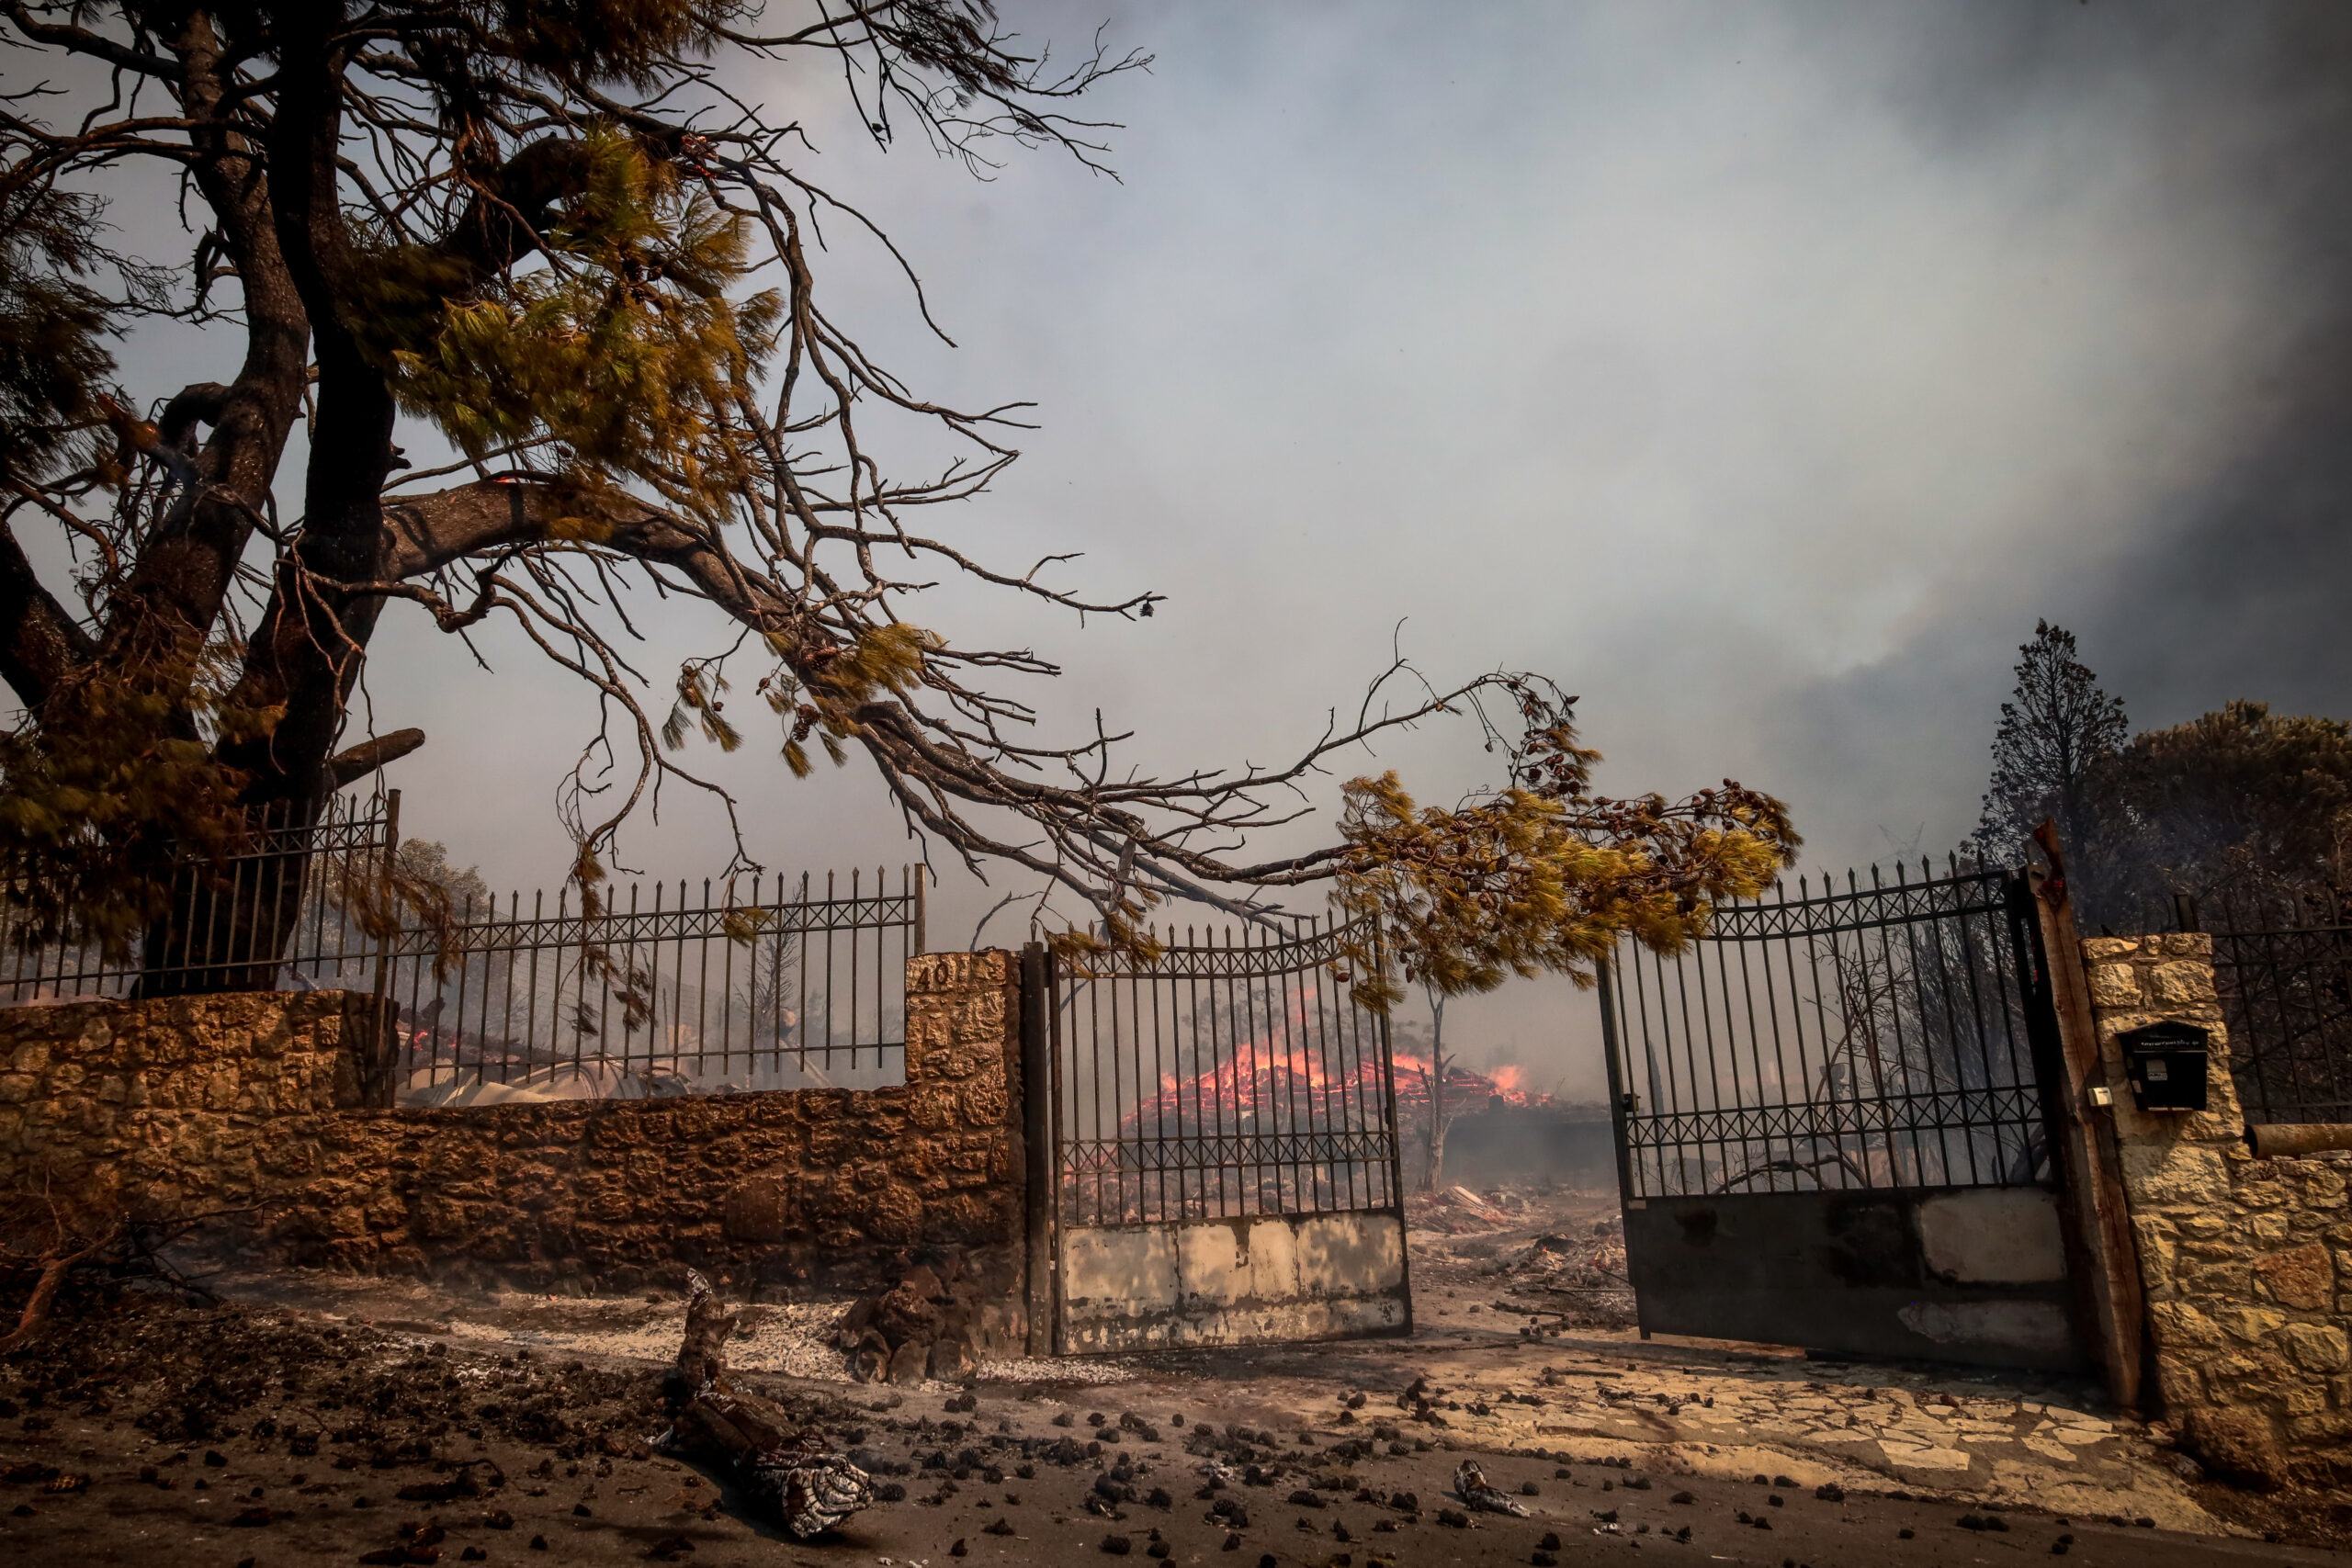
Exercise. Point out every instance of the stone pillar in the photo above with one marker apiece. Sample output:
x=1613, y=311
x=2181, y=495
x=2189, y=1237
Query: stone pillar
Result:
x=2247, y=1262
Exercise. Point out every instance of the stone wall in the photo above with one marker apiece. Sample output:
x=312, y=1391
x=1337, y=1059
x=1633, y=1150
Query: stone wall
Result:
x=179, y=1106
x=246, y=1097
x=2247, y=1262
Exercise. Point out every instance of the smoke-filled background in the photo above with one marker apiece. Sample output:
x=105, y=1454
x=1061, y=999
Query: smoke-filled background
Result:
x=1762, y=372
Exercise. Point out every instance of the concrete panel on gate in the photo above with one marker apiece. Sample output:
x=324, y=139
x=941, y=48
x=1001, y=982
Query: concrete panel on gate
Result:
x=1994, y=1235
x=1233, y=1281
x=1211, y=1264
x=1347, y=1255
x=1273, y=1259
x=1131, y=1270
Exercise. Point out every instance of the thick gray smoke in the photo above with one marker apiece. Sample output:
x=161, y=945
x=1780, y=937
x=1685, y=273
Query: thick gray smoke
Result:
x=2229, y=578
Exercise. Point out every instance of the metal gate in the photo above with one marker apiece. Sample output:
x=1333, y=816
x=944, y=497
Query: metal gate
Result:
x=1224, y=1144
x=1831, y=1124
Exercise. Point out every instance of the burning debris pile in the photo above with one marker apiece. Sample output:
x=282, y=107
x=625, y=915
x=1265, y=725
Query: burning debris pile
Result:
x=1325, y=1087
x=923, y=1326
x=1464, y=1089
x=1457, y=1211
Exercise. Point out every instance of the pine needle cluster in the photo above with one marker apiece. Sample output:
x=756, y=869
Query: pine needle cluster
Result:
x=1541, y=876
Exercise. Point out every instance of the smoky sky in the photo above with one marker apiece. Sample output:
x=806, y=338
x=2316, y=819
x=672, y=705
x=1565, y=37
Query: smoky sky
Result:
x=1761, y=371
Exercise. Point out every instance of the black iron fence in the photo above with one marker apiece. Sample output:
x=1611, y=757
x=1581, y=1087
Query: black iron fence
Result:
x=1226, y=1077
x=748, y=984
x=755, y=984
x=1873, y=1036
x=249, y=916
x=2283, y=966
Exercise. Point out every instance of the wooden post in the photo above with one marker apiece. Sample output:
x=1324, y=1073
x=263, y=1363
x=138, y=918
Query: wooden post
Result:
x=2104, y=1261
x=1037, y=1146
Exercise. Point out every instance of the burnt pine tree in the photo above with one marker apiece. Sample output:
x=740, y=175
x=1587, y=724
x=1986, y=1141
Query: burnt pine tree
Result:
x=569, y=242
x=2057, y=730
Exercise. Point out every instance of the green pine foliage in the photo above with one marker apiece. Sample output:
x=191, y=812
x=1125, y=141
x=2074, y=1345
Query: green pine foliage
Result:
x=622, y=347
x=1542, y=876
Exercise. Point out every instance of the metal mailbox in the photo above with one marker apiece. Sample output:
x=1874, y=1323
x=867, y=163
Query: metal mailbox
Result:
x=2166, y=1065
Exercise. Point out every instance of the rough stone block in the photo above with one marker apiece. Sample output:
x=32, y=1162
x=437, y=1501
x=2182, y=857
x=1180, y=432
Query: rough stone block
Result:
x=2300, y=1277
x=2248, y=1324
x=2318, y=1429
x=2260, y=1194
x=2115, y=985
x=2217, y=1282
x=2320, y=1182
x=2182, y=1174
x=2181, y=984
x=986, y=1104
x=2238, y=1446
x=2179, y=1381
x=2317, y=1348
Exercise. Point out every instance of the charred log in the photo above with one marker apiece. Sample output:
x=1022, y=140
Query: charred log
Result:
x=786, y=1476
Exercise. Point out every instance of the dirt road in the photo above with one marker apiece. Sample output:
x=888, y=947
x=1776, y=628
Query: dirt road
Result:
x=323, y=1420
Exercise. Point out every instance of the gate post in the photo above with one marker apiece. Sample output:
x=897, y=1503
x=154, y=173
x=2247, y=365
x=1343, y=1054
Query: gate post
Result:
x=1621, y=1106
x=2102, y=1258
x=1038, y=1147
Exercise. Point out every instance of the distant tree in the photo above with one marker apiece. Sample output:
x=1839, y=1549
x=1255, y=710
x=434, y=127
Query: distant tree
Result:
x=461, y=888
x=2055, y=730
x=2235, y=802
x=1433, y=1088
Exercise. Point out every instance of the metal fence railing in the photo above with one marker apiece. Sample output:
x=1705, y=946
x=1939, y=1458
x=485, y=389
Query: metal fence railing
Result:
x=748, y=984
x=1863, y=1037
x=2283, y=967
x=1219, y=1078
x=726, y=987
x=249, y=918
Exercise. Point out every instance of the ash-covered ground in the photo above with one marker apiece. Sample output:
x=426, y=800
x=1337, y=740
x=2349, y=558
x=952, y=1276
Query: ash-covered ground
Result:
x=311, y=1419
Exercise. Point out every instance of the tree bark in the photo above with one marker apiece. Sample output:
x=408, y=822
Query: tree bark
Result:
x=171, y=599
x=40, y=645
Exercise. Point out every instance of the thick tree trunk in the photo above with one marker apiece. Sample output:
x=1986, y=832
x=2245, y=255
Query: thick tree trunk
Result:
x=227, y=927
x=228, y=924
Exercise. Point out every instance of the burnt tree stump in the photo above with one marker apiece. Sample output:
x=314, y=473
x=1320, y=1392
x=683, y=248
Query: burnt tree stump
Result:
x=787, y=1476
